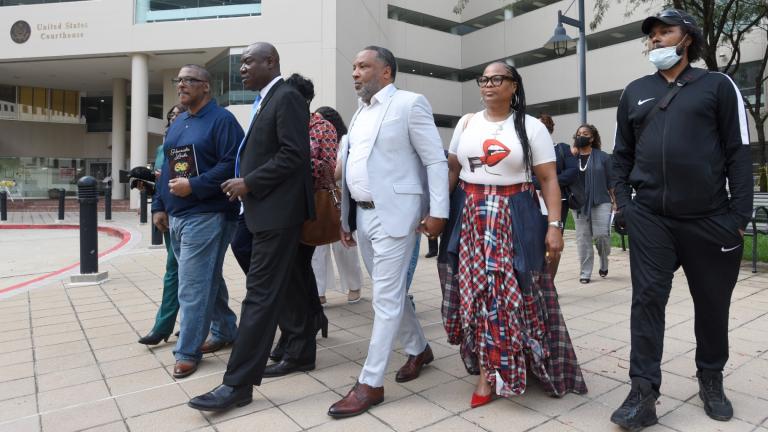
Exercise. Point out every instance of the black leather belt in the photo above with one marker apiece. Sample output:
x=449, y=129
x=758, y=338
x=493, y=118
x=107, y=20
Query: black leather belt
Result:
x=366, y=205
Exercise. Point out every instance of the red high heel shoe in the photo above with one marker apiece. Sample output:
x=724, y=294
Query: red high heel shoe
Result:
x=478, y=400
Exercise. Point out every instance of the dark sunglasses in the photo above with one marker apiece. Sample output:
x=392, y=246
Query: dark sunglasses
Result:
x=495, y=80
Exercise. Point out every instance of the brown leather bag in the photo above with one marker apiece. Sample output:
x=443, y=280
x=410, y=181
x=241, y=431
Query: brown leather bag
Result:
x=325, y=228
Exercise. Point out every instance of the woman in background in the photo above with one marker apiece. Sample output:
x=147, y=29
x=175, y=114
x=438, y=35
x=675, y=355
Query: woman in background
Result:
x=593, y=219
x=347, y=260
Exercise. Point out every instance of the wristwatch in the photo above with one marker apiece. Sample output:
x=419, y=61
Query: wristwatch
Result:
x=556, y=224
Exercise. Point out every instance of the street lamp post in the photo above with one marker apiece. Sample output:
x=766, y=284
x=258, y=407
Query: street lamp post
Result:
x=561, y=42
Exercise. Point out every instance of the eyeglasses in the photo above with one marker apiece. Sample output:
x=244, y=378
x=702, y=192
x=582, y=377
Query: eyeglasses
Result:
x=495, y=80
x=186, y=81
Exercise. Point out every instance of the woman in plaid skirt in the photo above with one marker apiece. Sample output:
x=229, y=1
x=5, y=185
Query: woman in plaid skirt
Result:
x=499, y=303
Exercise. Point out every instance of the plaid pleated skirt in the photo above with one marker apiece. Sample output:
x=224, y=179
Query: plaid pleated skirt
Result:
x=499, y=304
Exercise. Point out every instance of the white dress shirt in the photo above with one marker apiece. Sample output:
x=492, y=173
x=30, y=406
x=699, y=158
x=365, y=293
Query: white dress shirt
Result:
x=361, y=138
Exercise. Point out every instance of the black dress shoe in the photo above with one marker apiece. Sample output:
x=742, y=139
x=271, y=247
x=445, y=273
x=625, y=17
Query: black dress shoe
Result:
x=277, y=354
x=153, y=338
x=279, y=351
x=286, y=367
x=716, y=405
x=639, y=408
x=584, y=280
x=223, y=398
x=603, y=273
x=321, y=325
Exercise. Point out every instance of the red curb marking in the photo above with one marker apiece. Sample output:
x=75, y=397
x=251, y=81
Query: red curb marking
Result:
x=125, y=237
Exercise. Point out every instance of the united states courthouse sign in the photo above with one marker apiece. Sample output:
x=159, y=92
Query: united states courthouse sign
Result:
x=20, y=32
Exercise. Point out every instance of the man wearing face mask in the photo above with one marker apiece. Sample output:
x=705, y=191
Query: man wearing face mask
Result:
x=681, y=134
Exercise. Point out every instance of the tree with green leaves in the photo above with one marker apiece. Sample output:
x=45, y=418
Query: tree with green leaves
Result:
x=725, y=24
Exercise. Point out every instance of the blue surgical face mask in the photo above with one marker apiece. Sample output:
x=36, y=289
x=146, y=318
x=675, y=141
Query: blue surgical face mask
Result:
x=666, y=58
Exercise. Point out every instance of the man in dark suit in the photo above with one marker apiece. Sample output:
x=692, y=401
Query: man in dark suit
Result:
x=273, y=180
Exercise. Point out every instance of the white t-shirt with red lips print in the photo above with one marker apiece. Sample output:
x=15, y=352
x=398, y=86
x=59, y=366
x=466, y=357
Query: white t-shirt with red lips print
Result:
x=490, y=152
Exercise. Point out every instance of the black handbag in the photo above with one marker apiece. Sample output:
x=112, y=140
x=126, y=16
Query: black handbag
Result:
x=574, y=193
x=576, y=196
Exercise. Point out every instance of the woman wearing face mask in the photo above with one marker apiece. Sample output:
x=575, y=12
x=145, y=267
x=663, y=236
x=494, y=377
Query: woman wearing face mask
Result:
x=169, y=307
x=593, y=219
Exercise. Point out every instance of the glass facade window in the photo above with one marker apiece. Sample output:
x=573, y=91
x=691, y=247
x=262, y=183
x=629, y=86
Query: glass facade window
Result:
x=8, y=102
x=43, y=177
x=33, y=103
x=595, y=101
x=65, y=106
x=97, y=111
x=31, y=2
x=39, y=104
x=148, y=11
x=226, y=84
x=745, y=78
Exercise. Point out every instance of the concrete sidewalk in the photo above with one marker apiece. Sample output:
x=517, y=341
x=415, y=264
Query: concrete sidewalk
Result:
x=69, y=360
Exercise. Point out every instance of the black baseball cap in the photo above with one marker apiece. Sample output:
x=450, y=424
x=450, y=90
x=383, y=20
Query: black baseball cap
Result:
x=672, y=17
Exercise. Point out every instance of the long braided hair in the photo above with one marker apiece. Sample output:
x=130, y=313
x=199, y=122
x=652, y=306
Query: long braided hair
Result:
x=518, y=107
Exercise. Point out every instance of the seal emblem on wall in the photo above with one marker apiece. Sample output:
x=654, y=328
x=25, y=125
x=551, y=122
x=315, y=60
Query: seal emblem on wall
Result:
x=20, y=32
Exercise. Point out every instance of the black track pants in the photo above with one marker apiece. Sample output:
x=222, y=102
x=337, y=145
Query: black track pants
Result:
x=709, y=251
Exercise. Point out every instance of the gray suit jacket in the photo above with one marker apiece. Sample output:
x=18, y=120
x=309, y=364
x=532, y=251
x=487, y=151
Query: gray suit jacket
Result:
x=407, y=167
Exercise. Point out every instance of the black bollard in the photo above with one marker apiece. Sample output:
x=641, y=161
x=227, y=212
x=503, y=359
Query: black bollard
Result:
x=3, y=206
x=89, y=240
x=62, y=195
x=157, y=236
x=108, y=202
x=143, y=207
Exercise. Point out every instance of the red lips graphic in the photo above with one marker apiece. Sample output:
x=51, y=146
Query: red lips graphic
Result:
x=494, y=152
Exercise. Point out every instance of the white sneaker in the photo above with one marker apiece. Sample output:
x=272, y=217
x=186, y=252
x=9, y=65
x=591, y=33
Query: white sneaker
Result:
x=353, y=297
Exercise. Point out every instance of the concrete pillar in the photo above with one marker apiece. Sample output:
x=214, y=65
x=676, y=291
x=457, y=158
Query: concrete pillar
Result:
x=118, y=136
x=139, y=115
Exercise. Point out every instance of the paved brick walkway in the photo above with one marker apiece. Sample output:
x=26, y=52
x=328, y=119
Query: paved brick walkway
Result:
x=69, y=360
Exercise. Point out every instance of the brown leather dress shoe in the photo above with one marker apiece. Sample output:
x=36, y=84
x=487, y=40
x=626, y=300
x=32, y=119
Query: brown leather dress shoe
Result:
x=357, y=401
x=184, y=368
x=210, y=346
x=412, y=368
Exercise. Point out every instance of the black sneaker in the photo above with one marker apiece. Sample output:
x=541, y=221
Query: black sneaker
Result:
x=716, y=405
x=639, y=408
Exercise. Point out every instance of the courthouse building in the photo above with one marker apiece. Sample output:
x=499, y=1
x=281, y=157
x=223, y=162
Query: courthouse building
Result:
x=85, y=84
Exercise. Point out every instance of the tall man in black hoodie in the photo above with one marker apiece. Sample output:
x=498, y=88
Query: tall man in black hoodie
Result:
x=681, y=135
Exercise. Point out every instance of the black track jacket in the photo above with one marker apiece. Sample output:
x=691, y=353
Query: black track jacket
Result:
x=679, y=166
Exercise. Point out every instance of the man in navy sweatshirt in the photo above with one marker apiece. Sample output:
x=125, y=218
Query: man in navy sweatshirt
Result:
x=200, y=155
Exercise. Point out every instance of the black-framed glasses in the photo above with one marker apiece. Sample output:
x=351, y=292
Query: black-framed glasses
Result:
x=495, y=80
x=186, y=81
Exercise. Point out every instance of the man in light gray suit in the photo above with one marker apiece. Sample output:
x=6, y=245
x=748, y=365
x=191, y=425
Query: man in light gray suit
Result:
x=394, y=186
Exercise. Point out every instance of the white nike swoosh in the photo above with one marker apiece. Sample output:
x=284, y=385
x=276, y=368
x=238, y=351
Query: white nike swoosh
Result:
x=723, y=249
x=642, y=101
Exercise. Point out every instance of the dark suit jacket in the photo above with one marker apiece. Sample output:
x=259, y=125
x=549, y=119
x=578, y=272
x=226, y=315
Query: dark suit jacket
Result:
x=275, y=163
